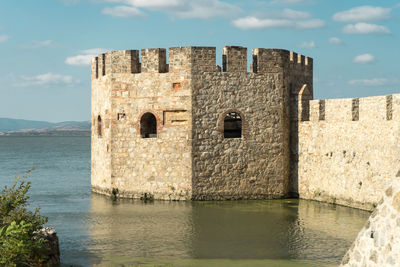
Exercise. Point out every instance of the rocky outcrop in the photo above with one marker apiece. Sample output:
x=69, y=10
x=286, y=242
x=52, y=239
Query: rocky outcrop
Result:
x=378, y=243
x=50, y=234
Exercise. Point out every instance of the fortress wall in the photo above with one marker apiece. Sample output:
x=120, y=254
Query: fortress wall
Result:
x=161, y=166
x=297, y=72
x=251, y=167
x=156, y=167
x=378, y=243
x=349, y=149
x=258, y=165
x=234, y=59
x=101, y=105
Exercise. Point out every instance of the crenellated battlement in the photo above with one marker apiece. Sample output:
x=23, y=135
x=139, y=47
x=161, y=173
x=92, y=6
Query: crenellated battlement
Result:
x=274, y=60
x=199, y=59
x=368, y=109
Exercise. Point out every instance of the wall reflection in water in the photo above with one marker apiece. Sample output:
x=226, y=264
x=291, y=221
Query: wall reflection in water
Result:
x=158, y=229
x=271, y=229
x=324, y=232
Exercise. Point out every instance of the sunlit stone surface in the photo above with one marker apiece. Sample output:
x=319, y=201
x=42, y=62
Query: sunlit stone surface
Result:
x=378, y=243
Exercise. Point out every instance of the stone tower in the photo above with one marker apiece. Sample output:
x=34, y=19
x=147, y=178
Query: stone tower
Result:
x=190, y=129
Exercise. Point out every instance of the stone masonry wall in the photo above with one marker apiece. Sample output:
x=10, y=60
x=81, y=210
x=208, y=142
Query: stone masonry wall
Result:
x=257, y=165
x=297, y=86
x=159, y=167
x=100, y=145
x=189, y=97
x=378, y=243
x=153, y=167
x=348, y=150
x=238, y=168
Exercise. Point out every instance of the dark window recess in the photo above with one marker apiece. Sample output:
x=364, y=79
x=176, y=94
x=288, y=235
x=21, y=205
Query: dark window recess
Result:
x=97, y=67
x=255, y=65
x=223, y=63
x=232, y=125
x=121, y=116
x=99, y=126
x=103, y=62
x=148, y=126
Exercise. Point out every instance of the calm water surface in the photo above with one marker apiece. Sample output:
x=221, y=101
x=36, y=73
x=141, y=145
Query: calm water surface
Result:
x=95, y=231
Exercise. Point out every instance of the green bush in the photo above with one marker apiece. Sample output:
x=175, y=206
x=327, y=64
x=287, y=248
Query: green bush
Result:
x=20, y=245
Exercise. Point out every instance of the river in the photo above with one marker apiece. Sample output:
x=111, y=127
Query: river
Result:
x=96, y=231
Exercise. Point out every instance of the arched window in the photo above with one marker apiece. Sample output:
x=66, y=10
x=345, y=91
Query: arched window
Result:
x=148, y=126
x=99, y=126
x=232, y=125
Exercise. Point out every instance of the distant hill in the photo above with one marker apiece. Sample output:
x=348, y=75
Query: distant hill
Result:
x=28, y=127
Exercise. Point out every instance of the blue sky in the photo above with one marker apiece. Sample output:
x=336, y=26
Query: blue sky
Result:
x=46, y=45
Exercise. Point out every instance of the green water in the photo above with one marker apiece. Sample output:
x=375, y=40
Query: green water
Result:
x=236, y=233
x=96, y=231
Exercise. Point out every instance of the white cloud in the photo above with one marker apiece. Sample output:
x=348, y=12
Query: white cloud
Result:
x=286, y=2
x=85, y=58
x=122, y=11
x=364, y=59
x=363, y=13
x=202, y=9
x=310, y=44
x=247, y=23
x=155, y=3
x=95, y=51
x=4, y=38
x=335, y=41
x=45, y=80
x=286, y=18
x=251, y=22
x=369, y=82
x=365, y=28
